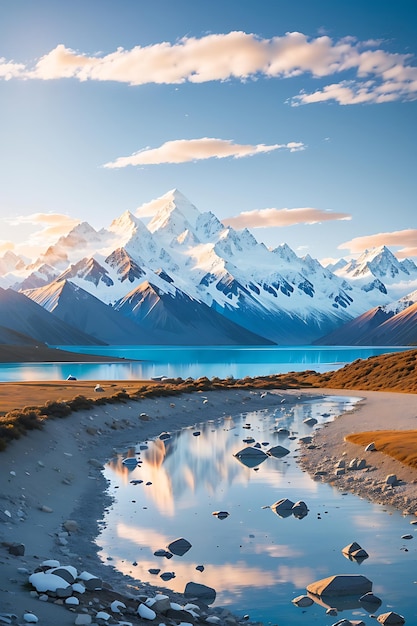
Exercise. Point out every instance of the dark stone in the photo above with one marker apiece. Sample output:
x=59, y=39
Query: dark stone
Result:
x=17, y=549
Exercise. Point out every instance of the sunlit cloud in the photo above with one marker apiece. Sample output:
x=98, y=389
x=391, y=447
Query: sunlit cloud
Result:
x=405, y=240
x=186, y=150
x=266, y=218
x=372, y=74
x=5, y=246
x=48, y=226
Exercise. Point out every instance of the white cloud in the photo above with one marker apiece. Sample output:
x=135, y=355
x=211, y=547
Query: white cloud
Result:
x=266, y=218
x=405, y=240
x=378, y=75
x=9, y=69
x=185, y=150
x=48, y=226
x=5, y=246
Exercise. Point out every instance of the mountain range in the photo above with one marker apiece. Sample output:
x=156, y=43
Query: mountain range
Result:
x=184, y=278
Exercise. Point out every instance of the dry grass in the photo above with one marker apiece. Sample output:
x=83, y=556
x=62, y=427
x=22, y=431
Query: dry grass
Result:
x=399, y=444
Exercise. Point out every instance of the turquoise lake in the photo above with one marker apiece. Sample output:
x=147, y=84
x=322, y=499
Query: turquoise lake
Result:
x=185, y=362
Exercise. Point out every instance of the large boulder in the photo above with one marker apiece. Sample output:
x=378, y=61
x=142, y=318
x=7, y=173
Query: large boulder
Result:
x=341, y=585
x=201, y=592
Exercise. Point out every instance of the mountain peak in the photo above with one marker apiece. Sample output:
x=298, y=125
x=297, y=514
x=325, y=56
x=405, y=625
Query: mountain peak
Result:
x=174, y=214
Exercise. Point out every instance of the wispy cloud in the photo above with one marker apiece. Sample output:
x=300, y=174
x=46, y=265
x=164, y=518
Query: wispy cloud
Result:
x=374, y=74
x=265, y=218
x=48, y=226
x=185, y=150
x=405, y=240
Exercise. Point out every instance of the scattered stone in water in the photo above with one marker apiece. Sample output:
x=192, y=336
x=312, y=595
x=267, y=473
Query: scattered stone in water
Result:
x=179, y=546
x=162, y=552
x=302, y=601
x=164, y=436
x=130, y=462
x=197, y=433
x=310, y=421
x=391, y=618
x=136, y=482
x=406, y=536
x=154, y=571
x=278, y=451
x=221, y=514
x=167, y=575
x=200, y=568
x=341, y=585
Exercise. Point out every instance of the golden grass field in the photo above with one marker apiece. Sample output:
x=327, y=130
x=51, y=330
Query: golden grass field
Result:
x=26, y=405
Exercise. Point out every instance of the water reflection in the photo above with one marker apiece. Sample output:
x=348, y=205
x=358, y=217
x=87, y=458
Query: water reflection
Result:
x=180, y=481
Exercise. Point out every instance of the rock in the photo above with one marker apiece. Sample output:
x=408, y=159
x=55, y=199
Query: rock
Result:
x=221, y=514
x=283, y=507
x=302, y=601
x=200, y=568
x=299, y=509
x=98, y=388
x=30, y=618
x=341, y=585
x=116, y=605
x=371, y=599
x=391, y=618
x=90, y=581
x=179, y=546
x=43, y=582
x=167, y=575
x=202, y=592
x=310, y=421
x=307, y=439
x=17, y=549
x=145, y=612
x=406, y=536
x=355, y=552
x=66, y=572
x=251, y=456
x=391, y=479
x=72, y=601
x=131, y=462
x=164, y=436
x=46, y=509
x=103, y=616
x=162, y=603
x=371, y=447
x=278, y=452
x=70, y=526
x=83, y=619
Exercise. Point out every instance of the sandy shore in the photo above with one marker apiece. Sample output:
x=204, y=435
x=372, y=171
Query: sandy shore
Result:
x=52, y=476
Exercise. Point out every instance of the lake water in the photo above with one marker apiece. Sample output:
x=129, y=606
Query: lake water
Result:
x=185, y=361
x=255, y=560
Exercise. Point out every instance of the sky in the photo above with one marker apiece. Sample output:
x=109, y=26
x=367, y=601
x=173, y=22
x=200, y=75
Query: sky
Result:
x=297, y=120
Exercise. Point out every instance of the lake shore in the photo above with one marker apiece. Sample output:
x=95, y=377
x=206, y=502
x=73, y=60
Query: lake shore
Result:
x=53, y=476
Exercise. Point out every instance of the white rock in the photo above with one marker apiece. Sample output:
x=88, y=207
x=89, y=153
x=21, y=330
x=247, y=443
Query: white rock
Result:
x=116, y=605
x=51, y=563
x=72, y=601
x=103, y=615
x=145, y=612
x=175, y=606
x=78, y=588
x=30, y=618
x=47, y=582
x=371, y=447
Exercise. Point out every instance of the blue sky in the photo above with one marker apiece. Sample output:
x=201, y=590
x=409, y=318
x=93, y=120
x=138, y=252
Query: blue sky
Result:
x=296, y=119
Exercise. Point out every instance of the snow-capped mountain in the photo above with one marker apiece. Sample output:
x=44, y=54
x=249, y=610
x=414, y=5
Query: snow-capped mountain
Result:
x=380, y=264
x=185, y=274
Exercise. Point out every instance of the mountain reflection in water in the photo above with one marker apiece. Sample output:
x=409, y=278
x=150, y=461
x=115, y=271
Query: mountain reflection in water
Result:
x=256, y=560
